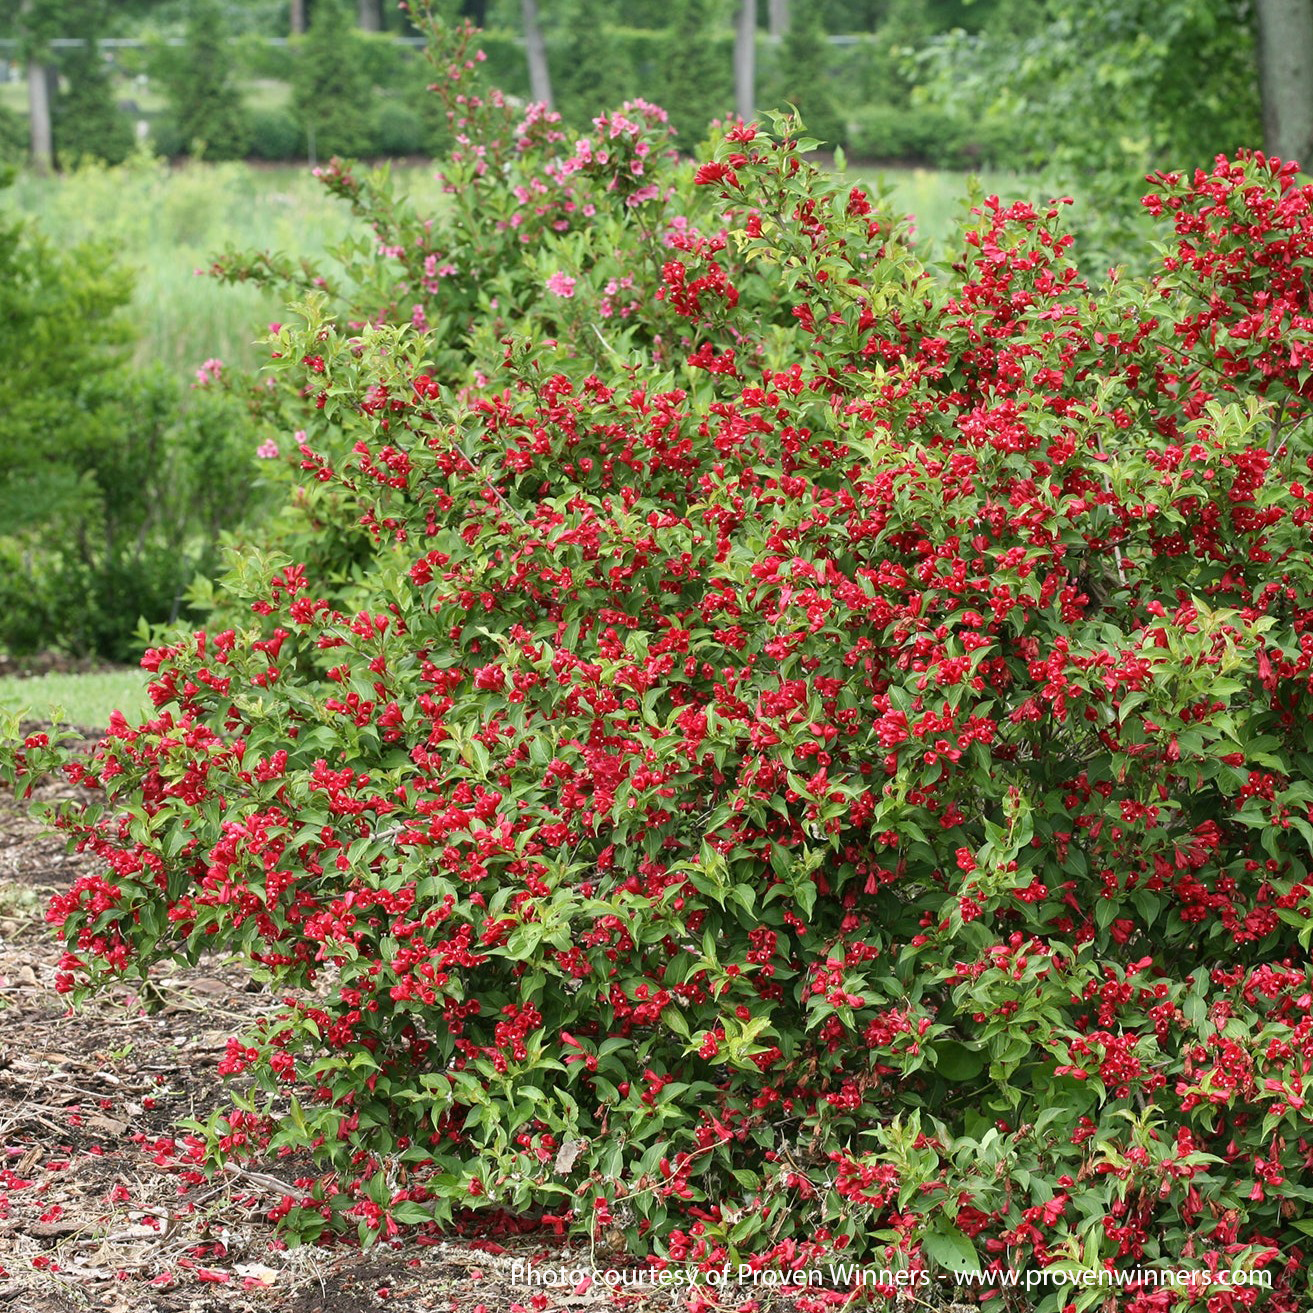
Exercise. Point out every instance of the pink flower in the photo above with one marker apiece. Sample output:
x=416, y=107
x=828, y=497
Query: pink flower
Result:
x=209, y=372
x=561, y=285
x=267, y=450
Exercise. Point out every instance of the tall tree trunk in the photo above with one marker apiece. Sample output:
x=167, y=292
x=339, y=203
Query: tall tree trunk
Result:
x=41, y=142
x=298, y=17
x=1285, y=77
x=540, y=80
x=41, y=139
x=745, y=60
x=778, y=11
x=370, y=20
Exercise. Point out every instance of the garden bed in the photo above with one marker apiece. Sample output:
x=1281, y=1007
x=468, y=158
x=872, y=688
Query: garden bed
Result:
x=96, y=1211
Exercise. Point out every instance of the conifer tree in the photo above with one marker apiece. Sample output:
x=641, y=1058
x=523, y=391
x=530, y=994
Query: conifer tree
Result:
x=801, y=78
x=330, y=91
x=203, y=95
x=587, y=79
x=86, y=121
x=696, y=83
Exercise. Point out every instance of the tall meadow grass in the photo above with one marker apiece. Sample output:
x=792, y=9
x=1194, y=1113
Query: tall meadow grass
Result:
x=168, y=222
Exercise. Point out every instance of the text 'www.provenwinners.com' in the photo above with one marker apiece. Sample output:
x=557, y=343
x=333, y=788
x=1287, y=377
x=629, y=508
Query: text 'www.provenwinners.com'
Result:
x=845, y=1276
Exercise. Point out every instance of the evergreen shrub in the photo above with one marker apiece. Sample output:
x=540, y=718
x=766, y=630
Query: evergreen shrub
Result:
x=205, y=105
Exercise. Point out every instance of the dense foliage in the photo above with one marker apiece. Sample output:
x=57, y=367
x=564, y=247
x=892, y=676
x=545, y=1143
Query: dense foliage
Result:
x=1095, y=96
x=1115, y=87
x=113, y=484
x=813, y=757
x=13, y=142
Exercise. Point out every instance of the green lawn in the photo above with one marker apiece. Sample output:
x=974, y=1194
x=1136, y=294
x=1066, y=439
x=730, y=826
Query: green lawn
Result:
x=83, y=700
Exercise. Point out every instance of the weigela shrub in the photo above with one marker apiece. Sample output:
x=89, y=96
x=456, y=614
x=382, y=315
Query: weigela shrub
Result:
x=544, y=233
x=839, y=787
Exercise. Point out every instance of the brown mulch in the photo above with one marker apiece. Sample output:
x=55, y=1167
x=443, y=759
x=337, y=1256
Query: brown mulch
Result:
x=96, y=1212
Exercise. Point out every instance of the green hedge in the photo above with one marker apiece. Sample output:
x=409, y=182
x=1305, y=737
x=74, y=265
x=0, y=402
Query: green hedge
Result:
x=276, y=135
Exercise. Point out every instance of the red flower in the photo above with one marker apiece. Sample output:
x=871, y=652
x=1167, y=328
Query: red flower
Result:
x=715, y=171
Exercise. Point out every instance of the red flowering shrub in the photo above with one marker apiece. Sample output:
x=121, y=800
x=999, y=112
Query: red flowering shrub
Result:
x=843, y=789
x=546, y=234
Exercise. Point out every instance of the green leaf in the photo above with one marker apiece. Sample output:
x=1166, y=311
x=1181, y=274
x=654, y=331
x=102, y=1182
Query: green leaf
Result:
x=949, y=1248
x=675, y=1019
x=745, y=896
x=804, y=894
x=411, y=1214
x=957, y=1063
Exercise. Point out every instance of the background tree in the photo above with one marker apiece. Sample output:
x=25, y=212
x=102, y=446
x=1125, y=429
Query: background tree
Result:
x=1285, y=75
x=1119, y=87
x=893, y=72
x=330, y=92
x=745, y=60
x=801, y=77
x=535, y=49
x=587, y=79
x=34, y=26
x=86, y=107
x=203, y=95
x=106, y=476
x=696, y=85
x=40, y=75
x=1100, y=95
x=86, y=121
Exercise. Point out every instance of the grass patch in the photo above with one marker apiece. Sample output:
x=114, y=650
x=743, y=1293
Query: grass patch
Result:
x=83, y=700
x=169, y=223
